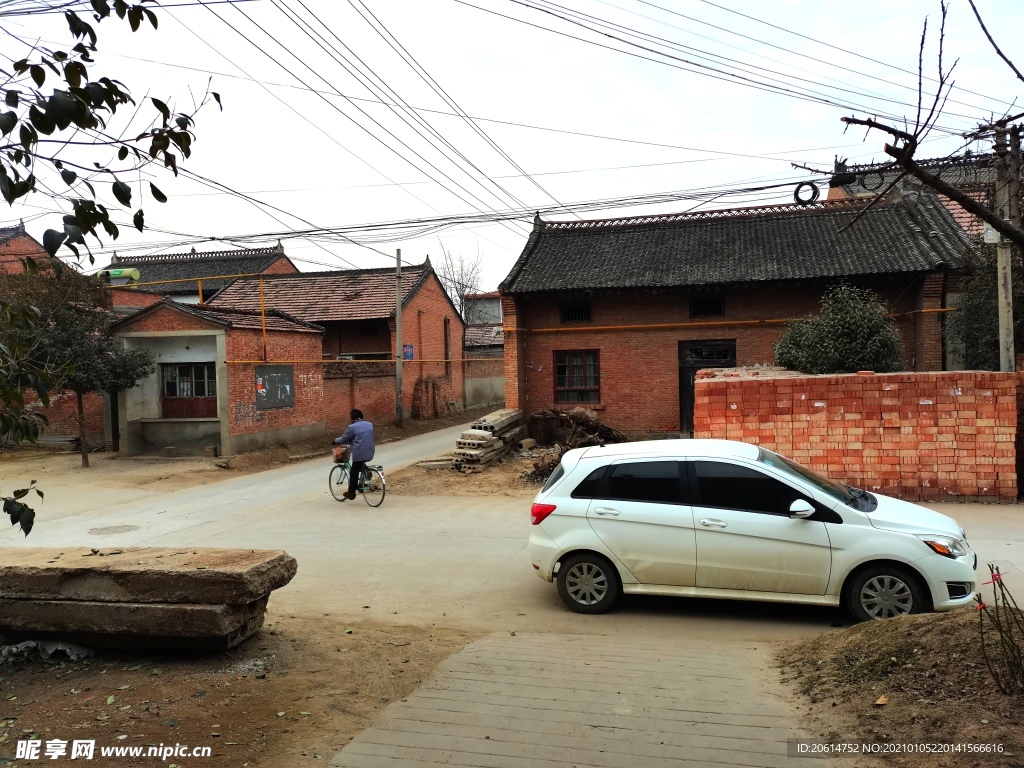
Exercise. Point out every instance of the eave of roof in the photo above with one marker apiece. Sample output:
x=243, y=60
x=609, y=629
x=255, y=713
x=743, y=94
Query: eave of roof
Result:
x=752, y=245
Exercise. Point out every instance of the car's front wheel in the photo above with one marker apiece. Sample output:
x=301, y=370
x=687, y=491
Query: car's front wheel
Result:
x=588, y=583
x=883, y=592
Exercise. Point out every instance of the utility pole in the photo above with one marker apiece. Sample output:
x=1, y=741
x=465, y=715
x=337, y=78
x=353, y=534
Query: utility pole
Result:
x=1003, y=264
x=398, y=337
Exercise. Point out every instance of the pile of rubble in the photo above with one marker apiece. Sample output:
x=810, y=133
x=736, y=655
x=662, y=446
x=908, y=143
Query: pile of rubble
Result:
x=577, y=428
x=488, y=440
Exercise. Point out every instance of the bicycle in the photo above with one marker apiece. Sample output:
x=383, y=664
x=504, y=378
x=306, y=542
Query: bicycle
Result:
x=371, y=485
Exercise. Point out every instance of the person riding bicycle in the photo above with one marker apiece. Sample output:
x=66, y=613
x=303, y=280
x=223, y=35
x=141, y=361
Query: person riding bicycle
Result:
x=359, y=436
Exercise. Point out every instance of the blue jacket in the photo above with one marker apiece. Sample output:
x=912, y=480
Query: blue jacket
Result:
x=360, y=436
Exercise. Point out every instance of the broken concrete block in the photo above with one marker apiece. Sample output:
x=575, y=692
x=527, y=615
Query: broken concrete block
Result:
x=186, y=599
x=144, y=574
x=158, y=619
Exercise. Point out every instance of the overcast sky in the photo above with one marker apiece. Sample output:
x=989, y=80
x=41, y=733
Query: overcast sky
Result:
x=288, y=136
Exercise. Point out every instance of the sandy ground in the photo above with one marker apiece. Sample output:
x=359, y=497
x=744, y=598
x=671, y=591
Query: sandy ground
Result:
x=503, y=479
x=292, y=696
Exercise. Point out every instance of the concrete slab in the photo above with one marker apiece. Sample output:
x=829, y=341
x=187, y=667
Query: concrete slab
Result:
x=144, y=574
x=568, y=700
x=155, y=627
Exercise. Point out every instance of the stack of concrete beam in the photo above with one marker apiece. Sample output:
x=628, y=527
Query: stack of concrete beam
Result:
x=184, y=599
x=488, y=440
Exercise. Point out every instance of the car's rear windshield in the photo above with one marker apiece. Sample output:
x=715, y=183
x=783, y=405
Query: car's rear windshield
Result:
x=554, y=478
x=832, y=488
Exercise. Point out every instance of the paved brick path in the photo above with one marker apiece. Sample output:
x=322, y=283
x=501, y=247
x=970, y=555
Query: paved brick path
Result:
x=549, y=701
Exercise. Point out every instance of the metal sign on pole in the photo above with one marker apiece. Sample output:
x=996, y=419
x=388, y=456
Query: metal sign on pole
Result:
x=398, y=337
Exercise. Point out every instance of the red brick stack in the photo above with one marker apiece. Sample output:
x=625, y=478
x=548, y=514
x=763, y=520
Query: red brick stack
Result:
x=918, y=436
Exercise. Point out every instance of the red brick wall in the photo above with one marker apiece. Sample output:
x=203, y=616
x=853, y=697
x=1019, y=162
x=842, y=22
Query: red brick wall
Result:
x=423, y=327
x=62, y=414
x=281, y=267
x=167, y=319
x=373, y=395
x=244, y=416
x=131, y=300
x=16, y=249
x=639, y=367
x=925, y=436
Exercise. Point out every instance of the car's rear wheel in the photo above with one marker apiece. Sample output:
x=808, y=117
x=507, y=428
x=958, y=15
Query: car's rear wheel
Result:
x=883, y=592
x=588, y=583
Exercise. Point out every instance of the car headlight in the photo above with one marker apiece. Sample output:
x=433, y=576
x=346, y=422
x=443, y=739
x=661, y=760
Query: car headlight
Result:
x=946, y=546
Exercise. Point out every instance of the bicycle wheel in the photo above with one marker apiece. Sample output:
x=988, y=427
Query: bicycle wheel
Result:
x=337, y=480
x=373, y=487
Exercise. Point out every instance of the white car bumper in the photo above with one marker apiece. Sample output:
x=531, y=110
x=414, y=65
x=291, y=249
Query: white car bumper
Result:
x=543, y=552
x=952, y=583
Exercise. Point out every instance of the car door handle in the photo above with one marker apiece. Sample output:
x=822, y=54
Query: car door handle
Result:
x=606, y=512
x=709, y=522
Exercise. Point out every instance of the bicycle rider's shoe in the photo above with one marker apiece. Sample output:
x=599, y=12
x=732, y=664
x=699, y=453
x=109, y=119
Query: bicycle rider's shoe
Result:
x=348, y=495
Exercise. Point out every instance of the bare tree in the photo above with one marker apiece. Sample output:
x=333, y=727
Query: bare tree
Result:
x=910, y=136
x=460, y=276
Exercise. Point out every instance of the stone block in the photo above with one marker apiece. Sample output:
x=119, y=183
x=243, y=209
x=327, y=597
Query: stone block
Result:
x=144, y=574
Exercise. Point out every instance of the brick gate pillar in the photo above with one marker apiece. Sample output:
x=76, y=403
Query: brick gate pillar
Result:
x=515, y=354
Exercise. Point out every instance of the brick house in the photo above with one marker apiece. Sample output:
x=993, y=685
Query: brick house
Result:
x=217, y=385
x=15, y=246
x=203, y=272
x=356, y=309
x=619, y=314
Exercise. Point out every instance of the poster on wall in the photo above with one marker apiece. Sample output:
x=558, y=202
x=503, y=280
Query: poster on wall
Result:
x=407, y=352
x=275, y=387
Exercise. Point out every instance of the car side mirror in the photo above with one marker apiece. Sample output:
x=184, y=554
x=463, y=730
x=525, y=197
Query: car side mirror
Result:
x=801, y=509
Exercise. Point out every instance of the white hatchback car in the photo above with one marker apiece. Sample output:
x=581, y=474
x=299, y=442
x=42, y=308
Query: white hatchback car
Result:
x=718, y=518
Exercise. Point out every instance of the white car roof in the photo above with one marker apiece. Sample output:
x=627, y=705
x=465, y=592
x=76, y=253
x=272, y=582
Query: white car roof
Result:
x=675, y=448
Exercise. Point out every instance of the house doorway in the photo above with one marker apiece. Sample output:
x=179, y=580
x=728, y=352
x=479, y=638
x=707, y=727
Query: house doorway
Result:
x=693, y=356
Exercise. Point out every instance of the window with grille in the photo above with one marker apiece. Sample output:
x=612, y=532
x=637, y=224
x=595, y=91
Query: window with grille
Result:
x=189, y=391
x=576, y=313
x=577, y=376
x=706, y=308
x=190, y=380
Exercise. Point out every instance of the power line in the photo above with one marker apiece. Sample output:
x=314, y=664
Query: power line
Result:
x=718, y=58
x=685, y=64
x=371, y=87
x=830, y=45
x=445, y=96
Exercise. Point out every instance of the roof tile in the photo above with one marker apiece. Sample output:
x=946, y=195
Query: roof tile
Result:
x=355, y=294
x=739, y=246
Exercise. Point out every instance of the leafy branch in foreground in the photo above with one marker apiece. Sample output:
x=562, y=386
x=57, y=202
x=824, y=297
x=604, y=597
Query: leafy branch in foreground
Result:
x=52, y=139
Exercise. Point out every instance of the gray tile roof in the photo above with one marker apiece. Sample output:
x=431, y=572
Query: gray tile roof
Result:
x=750, y=245
x=185, y=266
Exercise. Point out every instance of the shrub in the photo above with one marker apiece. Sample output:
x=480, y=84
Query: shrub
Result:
x=852, y=332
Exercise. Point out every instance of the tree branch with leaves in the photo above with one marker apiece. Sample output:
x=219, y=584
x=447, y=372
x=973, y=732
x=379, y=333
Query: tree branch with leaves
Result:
x=59, y=133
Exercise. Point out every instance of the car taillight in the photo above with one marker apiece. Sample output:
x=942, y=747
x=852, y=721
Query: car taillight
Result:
x=539, y=511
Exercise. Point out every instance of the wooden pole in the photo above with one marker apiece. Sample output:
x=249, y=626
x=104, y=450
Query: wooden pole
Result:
x=1003, y=262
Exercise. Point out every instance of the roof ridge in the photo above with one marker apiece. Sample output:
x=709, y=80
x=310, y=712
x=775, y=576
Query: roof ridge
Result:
x=721, y=213
x=200, y=255
x=331, y=272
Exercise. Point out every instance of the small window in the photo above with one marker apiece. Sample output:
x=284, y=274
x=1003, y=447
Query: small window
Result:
x=577, y=376
x=591, y=486
x=656, y=481
x=706, y=308
x=576, y=313
x=729, y=486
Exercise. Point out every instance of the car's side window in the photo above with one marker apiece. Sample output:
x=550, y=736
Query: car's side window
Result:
x=591, y=486
x=654, y=481
x=730, y=486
